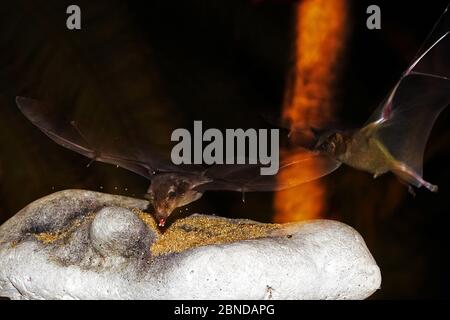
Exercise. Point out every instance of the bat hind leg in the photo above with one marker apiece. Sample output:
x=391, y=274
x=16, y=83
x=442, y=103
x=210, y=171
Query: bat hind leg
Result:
x=408, y=175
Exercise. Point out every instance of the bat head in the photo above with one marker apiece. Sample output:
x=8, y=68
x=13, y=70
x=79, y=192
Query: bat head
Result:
x=331, y=143
x=169, y=191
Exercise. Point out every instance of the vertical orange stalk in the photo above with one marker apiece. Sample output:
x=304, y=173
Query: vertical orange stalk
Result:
x=320, y=34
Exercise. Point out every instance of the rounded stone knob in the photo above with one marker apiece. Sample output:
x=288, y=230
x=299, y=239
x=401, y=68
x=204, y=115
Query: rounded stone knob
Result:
x=117, y=231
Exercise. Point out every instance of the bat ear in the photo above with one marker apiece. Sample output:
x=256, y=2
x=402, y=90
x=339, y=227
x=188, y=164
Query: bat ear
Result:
x=200, y=181
x=319, y=134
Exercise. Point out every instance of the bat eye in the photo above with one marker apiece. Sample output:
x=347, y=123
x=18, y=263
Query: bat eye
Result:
x=332, y=146
x=171, y=194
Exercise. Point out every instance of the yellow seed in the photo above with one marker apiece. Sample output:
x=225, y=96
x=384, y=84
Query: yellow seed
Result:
x=196, y=231
x=184, y=234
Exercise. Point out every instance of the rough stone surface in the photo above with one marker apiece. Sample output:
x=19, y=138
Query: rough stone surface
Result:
x=118, y=231
x=77, y=244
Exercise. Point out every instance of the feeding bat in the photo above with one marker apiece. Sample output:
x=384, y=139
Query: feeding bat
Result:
x=395, y=136
x=172, y=186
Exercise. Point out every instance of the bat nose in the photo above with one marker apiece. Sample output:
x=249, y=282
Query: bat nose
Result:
x=162, y=222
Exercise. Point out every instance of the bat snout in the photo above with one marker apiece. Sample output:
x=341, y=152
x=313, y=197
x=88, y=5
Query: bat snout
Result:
x=161, y=214
x=161, y=218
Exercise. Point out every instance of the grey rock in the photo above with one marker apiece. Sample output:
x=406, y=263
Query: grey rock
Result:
x=118, y=231
x=79, y=244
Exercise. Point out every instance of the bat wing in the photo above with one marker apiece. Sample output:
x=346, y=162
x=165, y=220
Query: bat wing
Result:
x=416, y=105
x=300, y=166
x=296, y=168
x=66, y=133
x=404, y=121
x=431, y=59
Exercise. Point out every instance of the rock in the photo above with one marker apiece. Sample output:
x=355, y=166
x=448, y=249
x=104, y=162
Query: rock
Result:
x=118, y=231
x=78, y=244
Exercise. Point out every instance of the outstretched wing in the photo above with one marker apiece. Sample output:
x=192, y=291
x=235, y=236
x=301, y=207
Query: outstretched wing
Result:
x=432, y=60
x=307, y=165
x=67, y=134
x=404, y=121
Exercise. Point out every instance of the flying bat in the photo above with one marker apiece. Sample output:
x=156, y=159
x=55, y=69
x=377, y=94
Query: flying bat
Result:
x=395, y=136
x=172, y=186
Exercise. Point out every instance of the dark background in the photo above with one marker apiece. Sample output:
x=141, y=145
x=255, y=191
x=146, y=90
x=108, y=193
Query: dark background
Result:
x=156, y=65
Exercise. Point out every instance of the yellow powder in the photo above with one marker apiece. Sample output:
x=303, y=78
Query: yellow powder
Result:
x=14, y=243
x=48, y=237
x=51, y=237
x=196, y=231
x=183, y=234
x=148, y=220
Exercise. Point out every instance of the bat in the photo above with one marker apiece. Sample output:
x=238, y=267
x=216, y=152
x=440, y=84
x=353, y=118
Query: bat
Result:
x=172, y=186
x=394, y=137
